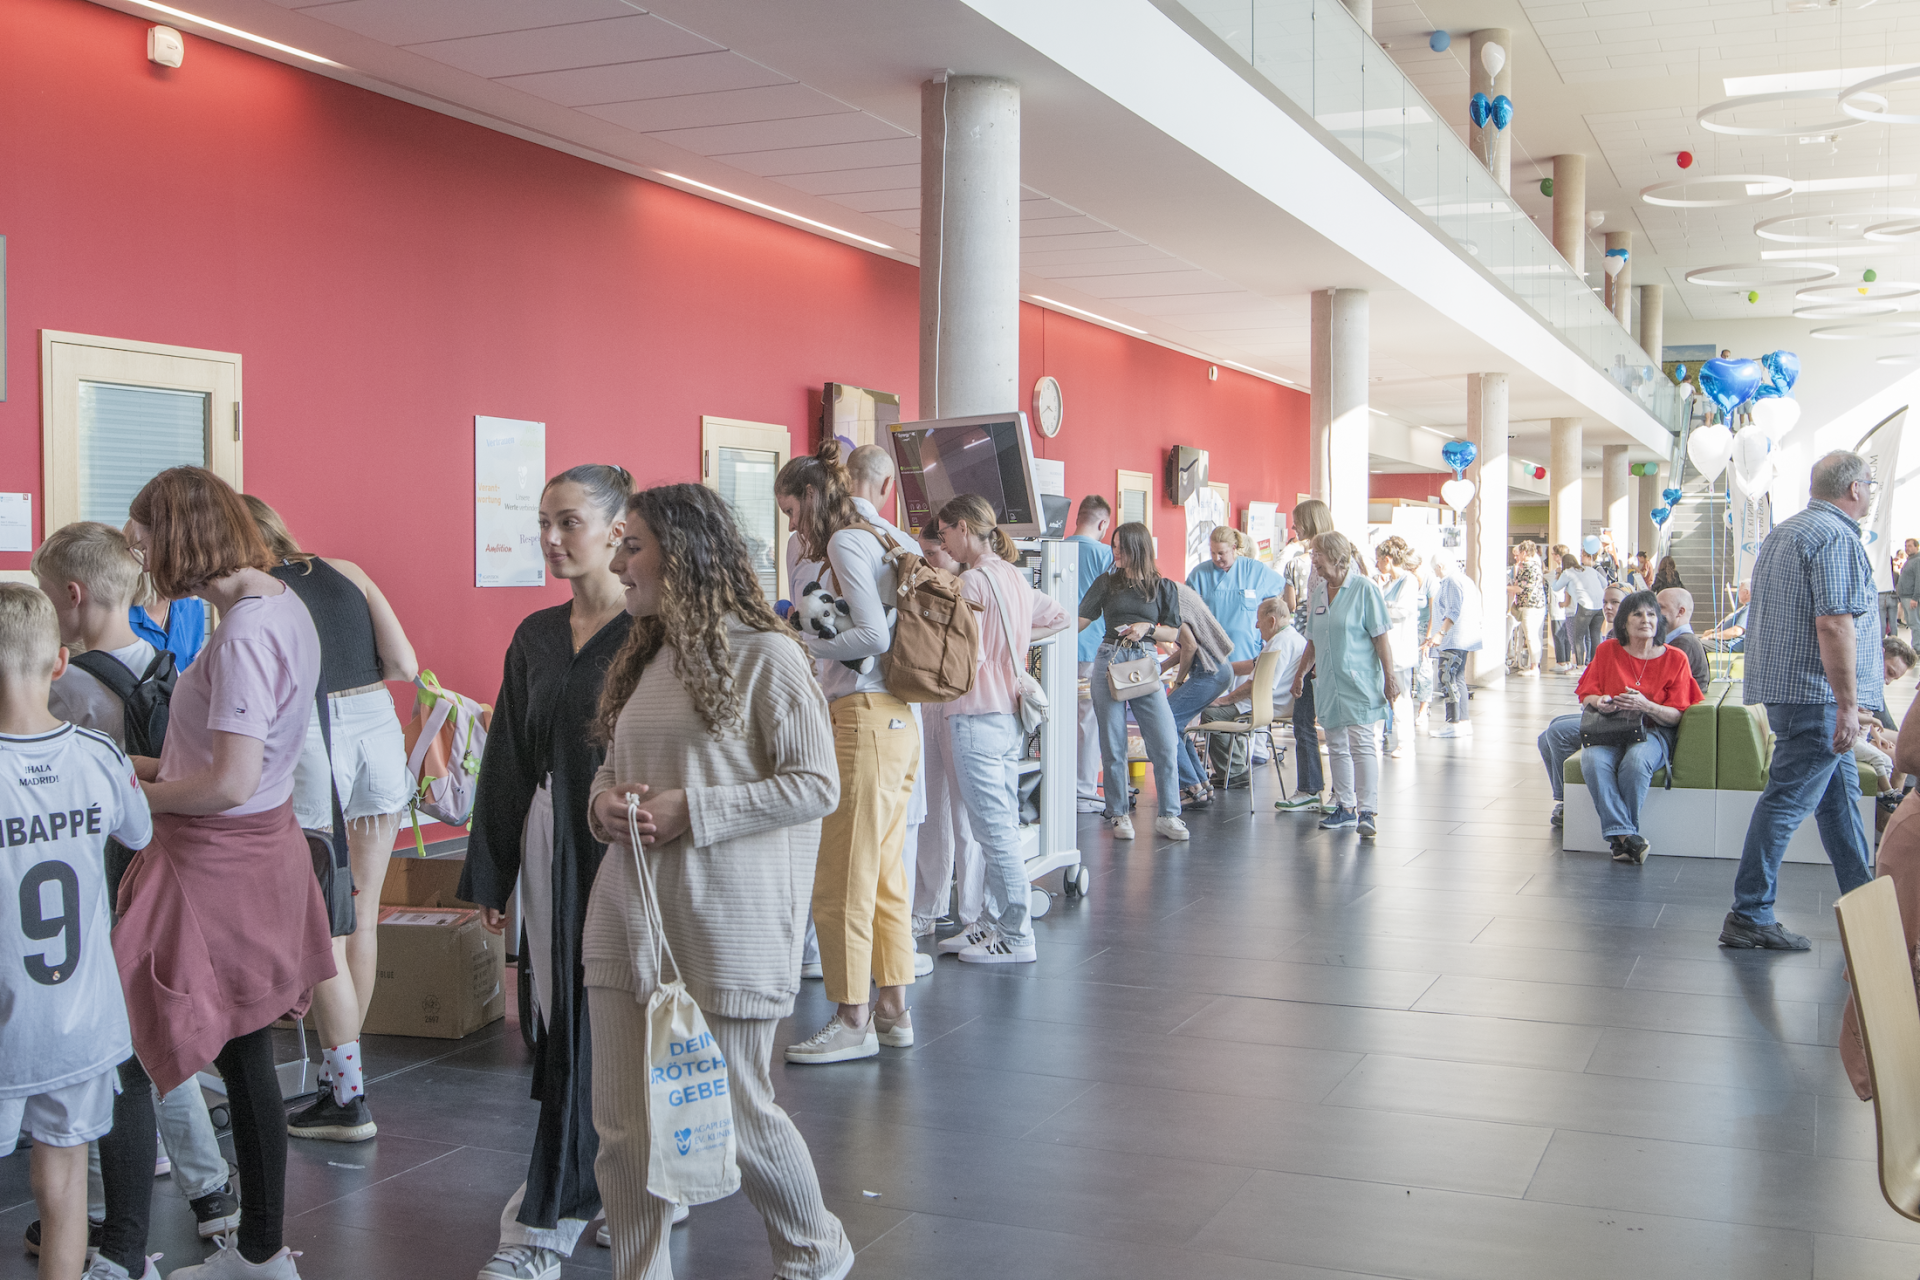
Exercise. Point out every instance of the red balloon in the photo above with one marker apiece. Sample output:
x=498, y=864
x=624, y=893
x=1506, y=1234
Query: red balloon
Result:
x=1539, y=473
x=1684, y=159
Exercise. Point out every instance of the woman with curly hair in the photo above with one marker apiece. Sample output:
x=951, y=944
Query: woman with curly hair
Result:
x=715, y=727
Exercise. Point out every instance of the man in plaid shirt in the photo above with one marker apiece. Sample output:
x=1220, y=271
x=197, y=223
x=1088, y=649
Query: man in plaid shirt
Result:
x=1813, y=657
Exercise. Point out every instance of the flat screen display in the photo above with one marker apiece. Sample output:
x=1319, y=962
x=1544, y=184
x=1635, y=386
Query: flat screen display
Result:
x=990, y=456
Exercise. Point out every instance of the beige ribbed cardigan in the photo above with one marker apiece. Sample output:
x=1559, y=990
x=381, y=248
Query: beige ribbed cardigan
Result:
x=734, y=890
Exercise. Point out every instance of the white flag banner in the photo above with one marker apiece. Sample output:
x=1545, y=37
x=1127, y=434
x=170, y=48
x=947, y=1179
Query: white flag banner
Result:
x=1881, y=448
x=1205, y=511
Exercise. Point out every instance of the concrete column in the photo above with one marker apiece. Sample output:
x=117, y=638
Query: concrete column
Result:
x=1647, y=532
x=1487, y=519
x=1362, y=11
x=969, y=246
x=1563, y=484
x=1615, y=512
x=1570, y=210
x=1653, y=326
x=1338, y=407
x=1620, y=288
x=1493, y=145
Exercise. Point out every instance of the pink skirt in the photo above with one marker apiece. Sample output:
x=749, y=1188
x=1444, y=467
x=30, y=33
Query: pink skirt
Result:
x=222, y=930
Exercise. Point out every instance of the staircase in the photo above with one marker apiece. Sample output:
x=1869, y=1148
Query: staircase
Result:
x=1701, y=544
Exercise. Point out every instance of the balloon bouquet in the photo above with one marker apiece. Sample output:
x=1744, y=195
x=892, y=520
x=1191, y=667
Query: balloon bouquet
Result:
x=1764, y=387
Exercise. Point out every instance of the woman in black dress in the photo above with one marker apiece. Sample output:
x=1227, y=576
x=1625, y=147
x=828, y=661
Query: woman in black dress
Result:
x=530, y=827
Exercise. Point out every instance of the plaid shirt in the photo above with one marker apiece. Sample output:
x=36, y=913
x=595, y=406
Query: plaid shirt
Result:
x=1812, y=565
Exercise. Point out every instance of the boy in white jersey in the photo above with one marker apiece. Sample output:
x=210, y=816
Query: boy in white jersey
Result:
x=63, y=1020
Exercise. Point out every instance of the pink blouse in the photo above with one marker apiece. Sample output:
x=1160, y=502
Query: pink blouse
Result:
x=993, y=691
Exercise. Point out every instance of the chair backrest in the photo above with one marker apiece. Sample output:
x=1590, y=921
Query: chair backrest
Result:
x=1883, y=993
x=1264, y=668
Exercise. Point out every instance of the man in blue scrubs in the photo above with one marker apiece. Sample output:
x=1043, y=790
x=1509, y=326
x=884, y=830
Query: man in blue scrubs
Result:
x=1095, y=559
x=1233, y=586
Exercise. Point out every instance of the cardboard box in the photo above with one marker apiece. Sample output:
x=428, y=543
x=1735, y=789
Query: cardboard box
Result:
x=441, y=974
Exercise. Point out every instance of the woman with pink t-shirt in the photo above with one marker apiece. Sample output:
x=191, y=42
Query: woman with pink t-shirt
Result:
x=222, y=928
x=984, y=724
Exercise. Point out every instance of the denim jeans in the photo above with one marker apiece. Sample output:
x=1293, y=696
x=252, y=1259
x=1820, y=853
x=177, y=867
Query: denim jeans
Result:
x=1588, y=626
x=1805, y=776
x=1453, y=684
x=1155, y=718
x=986, y=762
x=1562, y=629
x=1618, y=778
x=1187, y=702
x=1559, y=741
x=1308, y=778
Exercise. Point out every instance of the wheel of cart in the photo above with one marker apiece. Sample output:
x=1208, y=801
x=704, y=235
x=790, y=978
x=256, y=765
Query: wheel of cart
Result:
x=1038, y=902
x=1075, y=879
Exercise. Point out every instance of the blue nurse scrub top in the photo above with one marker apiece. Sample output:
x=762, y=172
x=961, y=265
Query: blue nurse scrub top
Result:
x=1095, y=559
x=1235, y=596
x=1348, y=684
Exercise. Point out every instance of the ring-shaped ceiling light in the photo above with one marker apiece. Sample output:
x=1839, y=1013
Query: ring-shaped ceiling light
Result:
x=1853, y=291
x=1769, y=228
x=1707, y=113
x=1868, y=329
x=1761, y=275
x=1896, y=231
x=1903, y=357
x=1784, y=188
x=1864, y=89
x=1845, y=310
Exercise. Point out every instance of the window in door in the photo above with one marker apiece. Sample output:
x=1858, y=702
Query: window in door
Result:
x=1134, y=495
x=740, y=461
x=115, y=413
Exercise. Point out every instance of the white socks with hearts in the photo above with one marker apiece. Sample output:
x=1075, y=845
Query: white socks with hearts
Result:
x=343, y=1069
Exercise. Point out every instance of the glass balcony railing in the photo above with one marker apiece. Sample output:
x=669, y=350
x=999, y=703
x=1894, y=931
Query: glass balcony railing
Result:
x=1315, y=53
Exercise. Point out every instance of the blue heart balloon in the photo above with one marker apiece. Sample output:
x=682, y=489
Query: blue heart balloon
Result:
x=1783, y=367
x=1670, y=496
x=1479, y=110
x=1730, y=383
x=1459, y=454
x=1679, y=373
x=1502, y=111
x=1768, y=391
x=1659, y=515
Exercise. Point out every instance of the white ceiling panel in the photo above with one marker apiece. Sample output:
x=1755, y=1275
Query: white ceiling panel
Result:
x=1159, y=284
x=405, y=22
x=770, y=135
x=847, y=155
x=581, y=44
x=838, y=182
x=881, y=201
x=1067, y=261
x=625, y=84
x=906, y=219
x=1085, y=240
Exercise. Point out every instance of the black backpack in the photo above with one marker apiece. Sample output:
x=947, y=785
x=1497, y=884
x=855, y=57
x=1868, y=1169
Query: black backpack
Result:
x=145, y=698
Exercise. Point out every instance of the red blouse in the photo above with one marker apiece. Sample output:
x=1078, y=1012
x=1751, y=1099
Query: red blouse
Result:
x=1667, y=679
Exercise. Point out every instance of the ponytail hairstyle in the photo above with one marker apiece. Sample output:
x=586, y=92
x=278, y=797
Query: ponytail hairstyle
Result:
x=1136, y=540
x=280, y=543
x=976, y=514
x=607, y=487
x=830, y=509
x=706, y=575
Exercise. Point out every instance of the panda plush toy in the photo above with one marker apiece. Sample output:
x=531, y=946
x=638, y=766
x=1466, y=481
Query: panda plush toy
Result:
x=824, y=615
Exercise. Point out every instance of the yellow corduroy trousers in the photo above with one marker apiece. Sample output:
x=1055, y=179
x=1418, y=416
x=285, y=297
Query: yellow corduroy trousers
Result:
x=860, y=908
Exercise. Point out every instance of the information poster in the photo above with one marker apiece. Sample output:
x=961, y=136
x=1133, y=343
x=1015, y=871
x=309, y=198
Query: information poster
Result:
x=16, y=522
x=1262, y=520
x=509, y=470
x=1205, y=510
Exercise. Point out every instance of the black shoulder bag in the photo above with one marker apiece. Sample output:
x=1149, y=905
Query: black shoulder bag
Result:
x=332, y=865
x=1611, y=728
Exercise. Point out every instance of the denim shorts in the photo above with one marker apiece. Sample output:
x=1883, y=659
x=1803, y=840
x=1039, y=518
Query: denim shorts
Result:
x=369, y=762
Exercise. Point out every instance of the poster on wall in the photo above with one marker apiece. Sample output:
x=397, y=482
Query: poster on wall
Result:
x=509, y=468
x=1261, y=522
x=1205, y=510
x=856, y=415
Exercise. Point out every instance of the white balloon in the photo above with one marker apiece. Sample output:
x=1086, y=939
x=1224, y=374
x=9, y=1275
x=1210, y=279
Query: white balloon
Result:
x=1685, y=389
x=1614, y=264
x=1752, y=462
x=1709, y=448
x=1492, y=57
x=1457, y=493
x=1775, y=415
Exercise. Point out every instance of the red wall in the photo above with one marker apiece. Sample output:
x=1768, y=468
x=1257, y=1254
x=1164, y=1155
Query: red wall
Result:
x=1420, y=486
x=387, y=273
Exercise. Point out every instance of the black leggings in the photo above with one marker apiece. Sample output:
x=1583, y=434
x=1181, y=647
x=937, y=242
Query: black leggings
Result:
x=1306, y=742
x=1589, y=627
x=259, y=1148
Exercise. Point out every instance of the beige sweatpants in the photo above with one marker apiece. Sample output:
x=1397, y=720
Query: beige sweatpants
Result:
x=861, y=915
x=776, y=1170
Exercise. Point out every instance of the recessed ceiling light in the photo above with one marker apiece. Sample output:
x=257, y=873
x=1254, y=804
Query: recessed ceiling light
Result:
x=211, y=25
x=824, y=226
x=1079, y=311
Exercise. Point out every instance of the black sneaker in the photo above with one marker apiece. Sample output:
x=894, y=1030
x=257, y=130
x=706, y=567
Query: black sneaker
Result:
x=1622, y=852
x=96, y=1232
x=217, y=1212
x=1743, y=934
x=1558, y=818
x=328, y=1121
x=1636, y=848
x=1367, y=825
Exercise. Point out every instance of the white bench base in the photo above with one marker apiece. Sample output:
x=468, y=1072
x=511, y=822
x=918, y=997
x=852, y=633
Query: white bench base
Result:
x=1688, y=823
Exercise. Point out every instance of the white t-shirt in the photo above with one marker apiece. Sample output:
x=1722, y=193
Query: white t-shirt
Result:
x=80, y=698
x=63, y=1019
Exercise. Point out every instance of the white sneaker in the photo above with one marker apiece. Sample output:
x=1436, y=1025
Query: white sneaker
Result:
x=105, y=1268
x=604, y=1237
x=835, y=1042
x=897, y=1034
x=1172, y=828
x=227, y=1264
x=954, y=945
x=922, y=964
x=923, y=926
x=1461, y=729
x=1122, y=827
x=812, y=969
x=997, y=950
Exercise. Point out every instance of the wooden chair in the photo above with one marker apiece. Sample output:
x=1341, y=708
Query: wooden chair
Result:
x=1261, y=721
x=1883, y=993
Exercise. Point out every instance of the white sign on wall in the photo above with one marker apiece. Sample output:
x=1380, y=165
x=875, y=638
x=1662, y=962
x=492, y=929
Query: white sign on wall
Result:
x=16, y=522
x=509, y=470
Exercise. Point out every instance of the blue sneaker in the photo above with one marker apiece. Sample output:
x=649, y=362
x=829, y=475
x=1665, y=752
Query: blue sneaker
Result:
x=1341, y=819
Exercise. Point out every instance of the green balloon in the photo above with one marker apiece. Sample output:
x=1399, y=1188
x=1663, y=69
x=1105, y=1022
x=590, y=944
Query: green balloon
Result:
x=1869, y=275
x=1546, y=186
x=1753, y=297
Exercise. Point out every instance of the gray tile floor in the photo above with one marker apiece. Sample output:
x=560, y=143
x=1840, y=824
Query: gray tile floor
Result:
x=1274, y=1053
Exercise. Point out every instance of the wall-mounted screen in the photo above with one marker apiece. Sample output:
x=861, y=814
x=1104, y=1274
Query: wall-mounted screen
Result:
x=989, y=455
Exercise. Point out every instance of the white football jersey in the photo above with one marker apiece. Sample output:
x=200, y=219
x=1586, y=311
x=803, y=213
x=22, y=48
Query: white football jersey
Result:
x=63, y=1018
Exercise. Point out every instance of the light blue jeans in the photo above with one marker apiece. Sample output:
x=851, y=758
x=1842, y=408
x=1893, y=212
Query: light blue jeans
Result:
x=186, y=1135
x=1186, y=703
x=1618, y=777
x=1804, y=776
x=1558, y=742
x=1155, y=718
x=986, y=762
